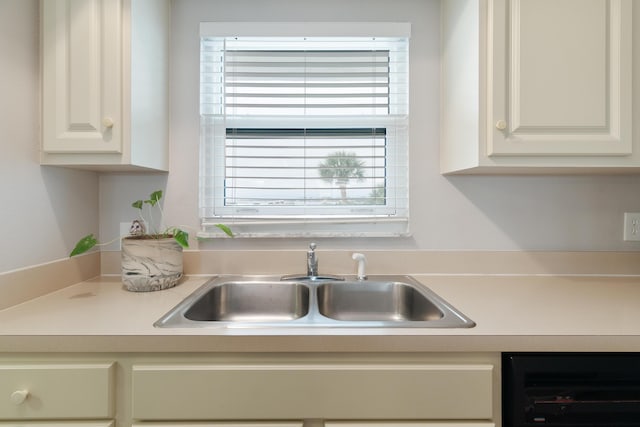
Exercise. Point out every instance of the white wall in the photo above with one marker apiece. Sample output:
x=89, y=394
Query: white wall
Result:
x=447, y=213
x=43, y=210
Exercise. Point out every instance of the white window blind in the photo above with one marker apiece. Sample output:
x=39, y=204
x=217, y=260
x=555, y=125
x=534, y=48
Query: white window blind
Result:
x=303, y=128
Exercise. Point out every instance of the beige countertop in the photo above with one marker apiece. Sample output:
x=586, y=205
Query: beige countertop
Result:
x=512, y=313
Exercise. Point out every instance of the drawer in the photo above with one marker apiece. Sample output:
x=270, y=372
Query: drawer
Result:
x=68, y=391
x=58, y=424
x=223, y=424
x=407, y=424
x=326, y=424
x=344, y=392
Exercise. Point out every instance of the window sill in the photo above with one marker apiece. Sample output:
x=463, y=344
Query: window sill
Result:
x=288, y=228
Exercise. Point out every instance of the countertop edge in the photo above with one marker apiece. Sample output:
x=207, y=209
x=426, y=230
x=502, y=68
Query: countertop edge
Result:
x=317, y=344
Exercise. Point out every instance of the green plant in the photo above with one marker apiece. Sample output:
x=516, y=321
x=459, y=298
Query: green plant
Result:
x=179, y=235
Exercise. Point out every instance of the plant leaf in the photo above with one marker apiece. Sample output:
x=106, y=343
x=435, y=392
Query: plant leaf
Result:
x=137, y=204
x=154, y=198
x=182, y=237
x=226, y=229
x=83, y=245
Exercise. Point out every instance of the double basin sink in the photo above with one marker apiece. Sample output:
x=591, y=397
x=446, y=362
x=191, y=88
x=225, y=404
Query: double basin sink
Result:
x=269, y=301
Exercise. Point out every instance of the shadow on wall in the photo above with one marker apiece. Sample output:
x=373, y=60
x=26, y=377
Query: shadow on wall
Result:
x=556, y=213
x=73, y=199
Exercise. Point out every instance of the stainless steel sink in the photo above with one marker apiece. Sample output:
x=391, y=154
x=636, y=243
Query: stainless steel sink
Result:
x=267, y=301
x=251, y=302
x=376, y=301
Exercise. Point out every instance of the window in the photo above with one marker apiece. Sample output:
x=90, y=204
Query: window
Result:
x=304, y=131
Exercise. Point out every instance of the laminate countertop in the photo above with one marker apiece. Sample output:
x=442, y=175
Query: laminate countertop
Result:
x=512, y=313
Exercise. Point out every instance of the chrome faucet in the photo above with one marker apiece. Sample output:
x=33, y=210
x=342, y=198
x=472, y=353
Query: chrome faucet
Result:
x=312, y=261
x=312, y=269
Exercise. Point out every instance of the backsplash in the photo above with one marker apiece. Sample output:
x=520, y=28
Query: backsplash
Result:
x=403, y=262
x=21, y=285
x=24, y=284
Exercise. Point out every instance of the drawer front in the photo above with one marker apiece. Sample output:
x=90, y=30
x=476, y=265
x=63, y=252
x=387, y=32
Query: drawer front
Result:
x=56, y=391
x=326, y=424
x=408, y=424
x=346, y=392
x=224, y=424
x=58, y=424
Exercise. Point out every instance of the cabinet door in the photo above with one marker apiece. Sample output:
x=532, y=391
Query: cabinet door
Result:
x=561, y=77
x=82, y=74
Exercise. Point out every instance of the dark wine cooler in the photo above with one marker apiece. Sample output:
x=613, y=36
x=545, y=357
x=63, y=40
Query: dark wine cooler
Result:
x=571, y=389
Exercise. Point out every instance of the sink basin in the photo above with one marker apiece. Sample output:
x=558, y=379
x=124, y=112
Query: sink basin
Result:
x=267, y=301
x=376, y=301
x=251, y=302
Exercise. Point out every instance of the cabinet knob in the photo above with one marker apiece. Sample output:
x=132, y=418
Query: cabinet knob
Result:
x=501, y=125
x=19, y=396
x=107, y=122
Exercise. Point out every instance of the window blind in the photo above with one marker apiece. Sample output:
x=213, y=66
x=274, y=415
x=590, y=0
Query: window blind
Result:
x=303, y=127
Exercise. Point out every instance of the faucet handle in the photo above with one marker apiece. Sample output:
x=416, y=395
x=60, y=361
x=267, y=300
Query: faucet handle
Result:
x=312, y=246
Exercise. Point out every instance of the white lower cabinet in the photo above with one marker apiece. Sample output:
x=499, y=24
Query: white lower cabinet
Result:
x=250, y=390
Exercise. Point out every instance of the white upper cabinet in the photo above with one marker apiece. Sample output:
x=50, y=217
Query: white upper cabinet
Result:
x=105, y=84
x=538, y=86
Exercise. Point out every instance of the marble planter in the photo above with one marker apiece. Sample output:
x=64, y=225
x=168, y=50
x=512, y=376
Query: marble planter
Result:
x=150, y=264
